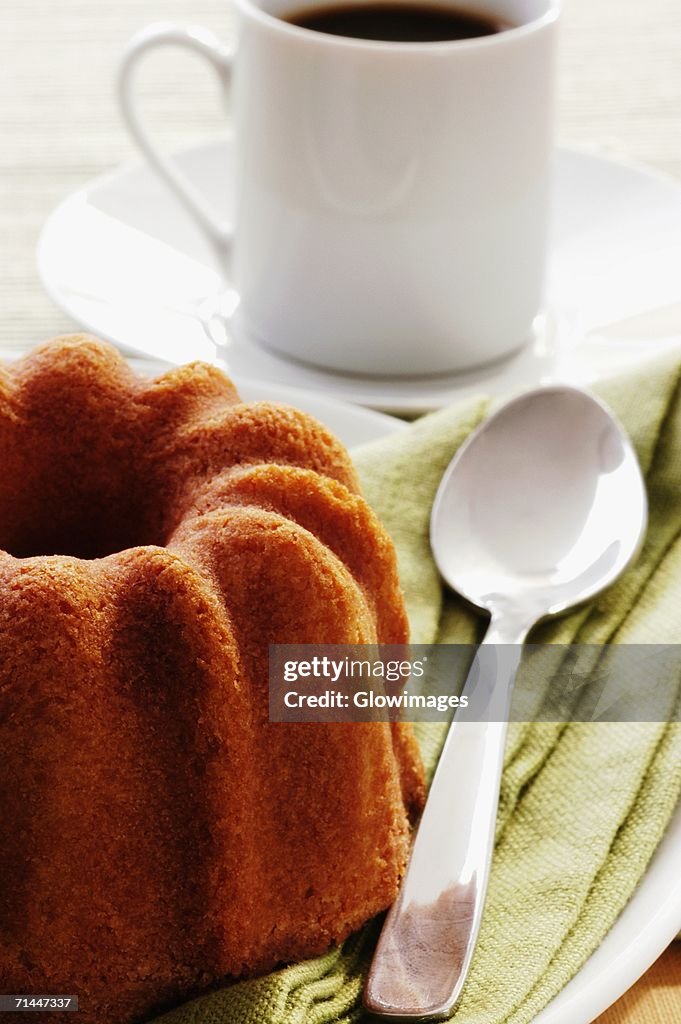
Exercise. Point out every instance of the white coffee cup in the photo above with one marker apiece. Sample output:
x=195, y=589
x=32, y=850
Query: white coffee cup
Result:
x=391, y=198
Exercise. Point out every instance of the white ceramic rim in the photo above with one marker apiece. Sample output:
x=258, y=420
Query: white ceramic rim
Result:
x=297, y=32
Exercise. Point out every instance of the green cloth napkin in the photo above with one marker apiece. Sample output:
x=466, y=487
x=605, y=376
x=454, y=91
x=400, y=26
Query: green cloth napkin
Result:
x=583, y=805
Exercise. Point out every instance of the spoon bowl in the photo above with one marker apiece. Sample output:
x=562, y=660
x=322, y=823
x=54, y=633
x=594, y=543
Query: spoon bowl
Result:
x=542, y=507
x=538, y=511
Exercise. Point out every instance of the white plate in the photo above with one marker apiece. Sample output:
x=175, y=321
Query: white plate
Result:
x=653, y=916
x=124, y=260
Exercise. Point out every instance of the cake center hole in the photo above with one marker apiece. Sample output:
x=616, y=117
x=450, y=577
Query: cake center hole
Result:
x=86, y=510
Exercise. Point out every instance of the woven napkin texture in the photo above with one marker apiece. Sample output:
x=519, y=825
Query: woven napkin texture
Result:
x=583, y=806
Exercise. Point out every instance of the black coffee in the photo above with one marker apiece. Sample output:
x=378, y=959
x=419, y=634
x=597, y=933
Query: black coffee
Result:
x=398, y=22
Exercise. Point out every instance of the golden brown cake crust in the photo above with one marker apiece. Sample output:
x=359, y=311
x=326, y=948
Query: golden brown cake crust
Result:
x=157, y=832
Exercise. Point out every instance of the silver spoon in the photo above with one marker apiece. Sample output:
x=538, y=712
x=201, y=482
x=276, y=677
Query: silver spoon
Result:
x=540, y=509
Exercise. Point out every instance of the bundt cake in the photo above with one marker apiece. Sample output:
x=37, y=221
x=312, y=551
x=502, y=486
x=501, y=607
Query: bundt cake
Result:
x=157, y=832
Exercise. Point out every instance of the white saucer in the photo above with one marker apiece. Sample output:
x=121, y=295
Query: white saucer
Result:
x=124, y=260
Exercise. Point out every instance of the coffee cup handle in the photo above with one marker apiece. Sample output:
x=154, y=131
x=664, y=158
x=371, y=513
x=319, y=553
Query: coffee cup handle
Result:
x=204, y=43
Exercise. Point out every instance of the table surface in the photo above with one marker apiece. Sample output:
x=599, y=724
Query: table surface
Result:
x=619, y=95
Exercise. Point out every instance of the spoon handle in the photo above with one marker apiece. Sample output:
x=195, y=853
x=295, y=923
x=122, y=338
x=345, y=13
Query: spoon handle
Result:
x=429, y=935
